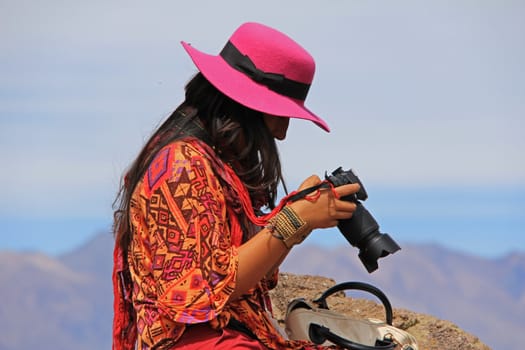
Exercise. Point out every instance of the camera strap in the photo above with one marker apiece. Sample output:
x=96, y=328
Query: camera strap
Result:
x=296, y=195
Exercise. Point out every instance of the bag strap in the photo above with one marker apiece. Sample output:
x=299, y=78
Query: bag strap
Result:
x=319, y=334
x=321, y=301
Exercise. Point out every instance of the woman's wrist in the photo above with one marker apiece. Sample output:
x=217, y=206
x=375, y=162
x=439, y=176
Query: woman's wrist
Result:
x=288, y=227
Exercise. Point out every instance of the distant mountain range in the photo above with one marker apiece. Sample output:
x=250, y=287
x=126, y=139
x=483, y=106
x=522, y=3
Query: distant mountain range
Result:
x=57, y=303
x=66, y=302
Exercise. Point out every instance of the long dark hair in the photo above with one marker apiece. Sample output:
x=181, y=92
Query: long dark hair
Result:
x=238, y=134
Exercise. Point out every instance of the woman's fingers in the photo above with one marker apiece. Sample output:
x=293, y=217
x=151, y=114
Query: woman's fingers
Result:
x=345, y=190
x=345, y=206
x=342, y=191
x=343, y=209
x=325, y=208
x=309, y=182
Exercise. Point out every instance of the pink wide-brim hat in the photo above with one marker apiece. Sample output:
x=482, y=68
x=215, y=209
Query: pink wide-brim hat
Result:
x=262, y=69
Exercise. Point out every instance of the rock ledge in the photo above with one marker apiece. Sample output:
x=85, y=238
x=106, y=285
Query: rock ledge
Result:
x=430, y=332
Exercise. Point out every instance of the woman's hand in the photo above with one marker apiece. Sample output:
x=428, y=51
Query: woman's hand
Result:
x=324, y=210
x=263, y=253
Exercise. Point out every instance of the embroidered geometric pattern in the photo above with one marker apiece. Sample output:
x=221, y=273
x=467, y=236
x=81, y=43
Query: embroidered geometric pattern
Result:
x=158, y=168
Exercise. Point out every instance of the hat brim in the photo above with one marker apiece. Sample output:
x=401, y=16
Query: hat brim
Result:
x=245, y=91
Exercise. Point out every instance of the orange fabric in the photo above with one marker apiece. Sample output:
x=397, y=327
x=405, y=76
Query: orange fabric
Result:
x=181, y=259
x=186, y=219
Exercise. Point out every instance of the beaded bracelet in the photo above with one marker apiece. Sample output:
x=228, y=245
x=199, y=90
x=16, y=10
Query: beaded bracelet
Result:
x=288, y=227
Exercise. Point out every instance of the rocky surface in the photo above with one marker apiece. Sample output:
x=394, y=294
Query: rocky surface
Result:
x=430, y=332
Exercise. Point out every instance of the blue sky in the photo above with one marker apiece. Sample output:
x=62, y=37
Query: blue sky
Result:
x=425, y=101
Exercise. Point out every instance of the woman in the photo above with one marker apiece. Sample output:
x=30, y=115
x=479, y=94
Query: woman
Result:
x=195, y=256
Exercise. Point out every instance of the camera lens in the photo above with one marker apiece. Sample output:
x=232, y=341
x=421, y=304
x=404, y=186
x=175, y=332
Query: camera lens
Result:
x=362, y=230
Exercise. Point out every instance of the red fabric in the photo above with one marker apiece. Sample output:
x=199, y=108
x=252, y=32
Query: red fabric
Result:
x=203, y=337
x=124, y=331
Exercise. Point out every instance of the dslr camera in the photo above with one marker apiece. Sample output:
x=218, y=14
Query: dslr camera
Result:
x=362, y=230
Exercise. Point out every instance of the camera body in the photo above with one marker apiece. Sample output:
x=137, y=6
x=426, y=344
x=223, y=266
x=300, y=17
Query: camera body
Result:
x=362, y=230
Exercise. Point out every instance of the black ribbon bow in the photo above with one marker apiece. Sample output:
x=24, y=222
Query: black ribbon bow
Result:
x=274, y=81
